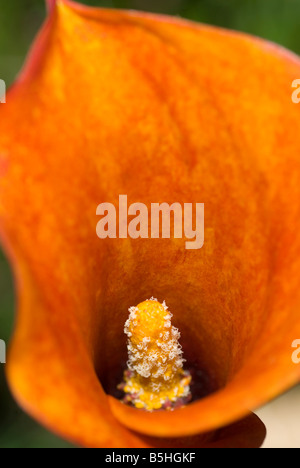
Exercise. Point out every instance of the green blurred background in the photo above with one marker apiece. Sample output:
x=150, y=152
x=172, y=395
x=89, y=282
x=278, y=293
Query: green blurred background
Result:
x=277, y=20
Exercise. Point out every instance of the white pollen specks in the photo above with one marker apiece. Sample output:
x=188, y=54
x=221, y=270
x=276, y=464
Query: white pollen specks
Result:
x=151, y=357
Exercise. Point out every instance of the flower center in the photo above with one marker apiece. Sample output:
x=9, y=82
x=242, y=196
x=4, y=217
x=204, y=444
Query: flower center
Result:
x=155, y=377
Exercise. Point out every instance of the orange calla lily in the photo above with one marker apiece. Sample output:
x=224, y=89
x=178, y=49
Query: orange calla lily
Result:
x=163, y=110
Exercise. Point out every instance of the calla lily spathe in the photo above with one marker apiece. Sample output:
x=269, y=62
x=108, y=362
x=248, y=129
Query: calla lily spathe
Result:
x=163, y=110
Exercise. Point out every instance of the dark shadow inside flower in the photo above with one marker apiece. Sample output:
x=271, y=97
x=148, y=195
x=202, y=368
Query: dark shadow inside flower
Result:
x=214, y=341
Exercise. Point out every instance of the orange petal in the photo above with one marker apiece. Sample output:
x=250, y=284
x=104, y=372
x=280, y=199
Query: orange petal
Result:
x=249, y=432
x=162, y=110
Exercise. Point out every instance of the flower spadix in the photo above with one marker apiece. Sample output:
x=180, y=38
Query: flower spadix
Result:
x=155, y=377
